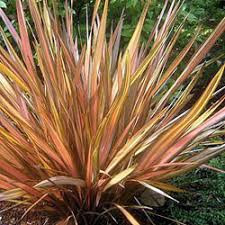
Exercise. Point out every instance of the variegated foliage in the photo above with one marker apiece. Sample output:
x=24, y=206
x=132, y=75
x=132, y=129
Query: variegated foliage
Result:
x=82, y=127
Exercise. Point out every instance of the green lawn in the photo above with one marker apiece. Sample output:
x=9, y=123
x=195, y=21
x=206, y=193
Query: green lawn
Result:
x=204, y=203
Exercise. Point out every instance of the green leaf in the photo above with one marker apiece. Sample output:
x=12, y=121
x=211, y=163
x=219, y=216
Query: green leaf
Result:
x=3, y=4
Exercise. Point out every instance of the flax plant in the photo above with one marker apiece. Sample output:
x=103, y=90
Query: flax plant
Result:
x=83, y=126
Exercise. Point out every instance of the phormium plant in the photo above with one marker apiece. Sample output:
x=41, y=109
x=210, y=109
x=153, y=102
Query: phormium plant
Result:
x=81, y=128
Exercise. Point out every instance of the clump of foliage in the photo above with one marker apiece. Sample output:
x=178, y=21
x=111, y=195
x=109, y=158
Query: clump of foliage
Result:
x=82, y=128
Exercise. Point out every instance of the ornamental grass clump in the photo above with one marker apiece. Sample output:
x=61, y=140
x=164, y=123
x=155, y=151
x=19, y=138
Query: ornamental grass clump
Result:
x=82, y=127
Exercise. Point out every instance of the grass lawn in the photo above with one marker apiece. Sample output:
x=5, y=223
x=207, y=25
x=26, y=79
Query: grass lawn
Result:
x=204, y=201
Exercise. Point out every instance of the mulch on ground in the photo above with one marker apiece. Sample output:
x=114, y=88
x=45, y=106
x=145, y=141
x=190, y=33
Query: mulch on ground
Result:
x=10, y=215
